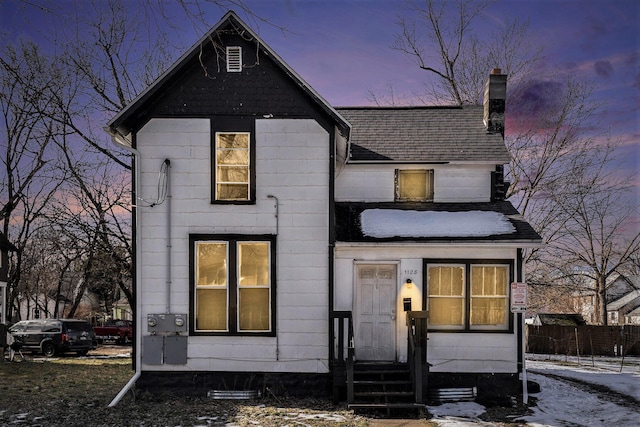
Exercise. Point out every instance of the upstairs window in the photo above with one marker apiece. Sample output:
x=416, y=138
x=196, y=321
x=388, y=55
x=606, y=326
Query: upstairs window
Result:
x=234, y=59
x=232, y=166
x=414, y=185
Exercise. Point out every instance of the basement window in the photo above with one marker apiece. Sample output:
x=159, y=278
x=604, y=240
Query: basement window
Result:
x=234, y=59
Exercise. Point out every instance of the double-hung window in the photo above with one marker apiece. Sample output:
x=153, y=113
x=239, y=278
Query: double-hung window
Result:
x=233, y=160
x=232, y=284
x=414, y=185
x=468, y=295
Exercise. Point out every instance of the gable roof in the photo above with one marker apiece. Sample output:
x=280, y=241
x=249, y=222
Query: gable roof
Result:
x=349, y=223
x=422, y=134
x=633, y=281
x=123, y=122
x=624, y=300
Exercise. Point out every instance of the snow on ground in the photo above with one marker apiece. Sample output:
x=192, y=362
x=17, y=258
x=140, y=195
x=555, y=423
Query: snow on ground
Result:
x=563, y=403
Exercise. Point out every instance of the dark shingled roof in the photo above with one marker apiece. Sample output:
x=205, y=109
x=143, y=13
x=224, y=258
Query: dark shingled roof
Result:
x=348, y=227
x=422, y=134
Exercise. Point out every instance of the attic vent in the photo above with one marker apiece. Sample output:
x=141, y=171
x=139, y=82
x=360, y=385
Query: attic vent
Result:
x=234, y=59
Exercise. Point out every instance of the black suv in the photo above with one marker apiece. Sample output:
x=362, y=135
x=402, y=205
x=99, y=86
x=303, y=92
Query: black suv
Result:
x=55, y=336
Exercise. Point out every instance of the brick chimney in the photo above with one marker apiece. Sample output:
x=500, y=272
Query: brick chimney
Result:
x=495, y=95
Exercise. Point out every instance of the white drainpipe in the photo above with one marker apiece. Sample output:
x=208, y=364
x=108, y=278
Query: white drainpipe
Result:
x=120, y=142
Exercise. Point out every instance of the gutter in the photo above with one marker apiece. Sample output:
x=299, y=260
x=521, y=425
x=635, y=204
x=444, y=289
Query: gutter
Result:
x=121, y=141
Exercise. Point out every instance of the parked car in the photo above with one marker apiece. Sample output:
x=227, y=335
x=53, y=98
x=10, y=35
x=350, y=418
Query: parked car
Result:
x=55, y=336
x=120, y=331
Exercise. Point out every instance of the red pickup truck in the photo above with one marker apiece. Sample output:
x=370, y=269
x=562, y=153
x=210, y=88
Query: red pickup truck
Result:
x=120, y=331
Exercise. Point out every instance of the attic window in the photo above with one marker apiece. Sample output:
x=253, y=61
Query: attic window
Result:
x=234, y=59
x=414, y=185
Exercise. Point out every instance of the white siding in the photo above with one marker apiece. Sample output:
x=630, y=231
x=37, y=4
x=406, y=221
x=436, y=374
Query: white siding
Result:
x=452, y=183
x=292, y=164
x=448, y=352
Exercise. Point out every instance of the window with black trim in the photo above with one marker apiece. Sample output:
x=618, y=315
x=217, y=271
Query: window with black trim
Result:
x=468, y=295
x=232, y=284
x=233, y=161
x=414, y=185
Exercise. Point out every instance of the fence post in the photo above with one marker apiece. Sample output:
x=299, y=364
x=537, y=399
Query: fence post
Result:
x=577, y=345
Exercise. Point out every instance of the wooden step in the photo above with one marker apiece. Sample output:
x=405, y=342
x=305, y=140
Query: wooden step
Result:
x=407, y=405
x=383, y=394
x=381, y=382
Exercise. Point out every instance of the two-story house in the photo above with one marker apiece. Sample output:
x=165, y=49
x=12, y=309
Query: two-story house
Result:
x=283, y=243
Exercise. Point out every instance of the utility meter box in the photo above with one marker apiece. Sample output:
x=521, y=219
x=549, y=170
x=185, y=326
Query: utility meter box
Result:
x=152, y=349
x=167, y=322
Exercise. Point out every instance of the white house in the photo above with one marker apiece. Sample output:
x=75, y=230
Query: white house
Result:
x=279, y=240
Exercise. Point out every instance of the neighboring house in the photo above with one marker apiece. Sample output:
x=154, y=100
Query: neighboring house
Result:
x=618, y=309
x=617, y=287
x=558, y=319
x=279, y=240
x=622, y=285
x=633, y=317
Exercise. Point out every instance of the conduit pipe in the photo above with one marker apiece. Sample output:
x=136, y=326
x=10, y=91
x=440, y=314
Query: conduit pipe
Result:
x=271, y=196
x=168, y=190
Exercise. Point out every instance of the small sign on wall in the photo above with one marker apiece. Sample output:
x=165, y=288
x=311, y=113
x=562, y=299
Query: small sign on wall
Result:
x=518, y=297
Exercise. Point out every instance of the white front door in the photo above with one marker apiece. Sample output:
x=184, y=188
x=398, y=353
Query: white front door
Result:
x=375, y=312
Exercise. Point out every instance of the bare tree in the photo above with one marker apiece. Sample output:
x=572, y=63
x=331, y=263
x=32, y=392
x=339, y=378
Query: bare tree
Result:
x=29, y=179
x=549, y=134
x=441, y=40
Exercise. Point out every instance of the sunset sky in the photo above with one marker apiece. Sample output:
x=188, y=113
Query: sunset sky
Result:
x=342, y=48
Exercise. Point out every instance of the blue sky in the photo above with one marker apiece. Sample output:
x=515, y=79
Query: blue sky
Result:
x=342, y=48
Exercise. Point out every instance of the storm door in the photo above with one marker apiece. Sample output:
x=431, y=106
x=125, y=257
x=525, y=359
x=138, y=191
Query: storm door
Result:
x=375, y=312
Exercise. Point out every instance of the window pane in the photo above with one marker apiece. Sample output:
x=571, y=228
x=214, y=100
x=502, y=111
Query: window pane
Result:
x=211, y=264
x=232, y=174
x=254, y=293
x=233, y=191
x=232, y=140
x=412, y=184
x=489, y=295
x=254, y=309
x=488, y=311
x=233, y=157
x=211, y=309
x=446, y=295
x=446, y=311
x=254, y=264
x=446, y=281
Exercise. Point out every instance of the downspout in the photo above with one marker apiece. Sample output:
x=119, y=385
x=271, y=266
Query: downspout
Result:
x=119, y=141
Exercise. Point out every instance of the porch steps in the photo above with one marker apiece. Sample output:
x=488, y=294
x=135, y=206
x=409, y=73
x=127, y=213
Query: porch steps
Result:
x=383, y=387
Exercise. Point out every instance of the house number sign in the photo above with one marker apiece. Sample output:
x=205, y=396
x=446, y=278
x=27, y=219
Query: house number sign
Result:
x=518, y=297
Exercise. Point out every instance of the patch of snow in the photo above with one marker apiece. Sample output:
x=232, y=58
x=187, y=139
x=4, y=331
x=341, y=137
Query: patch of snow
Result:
x=560, y=403
x=383, y=223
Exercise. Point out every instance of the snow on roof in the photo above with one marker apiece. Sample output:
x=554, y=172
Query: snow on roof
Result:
x=381, y=223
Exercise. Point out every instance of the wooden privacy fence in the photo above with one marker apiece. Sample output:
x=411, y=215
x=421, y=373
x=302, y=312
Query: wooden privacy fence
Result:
x=584, y=340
